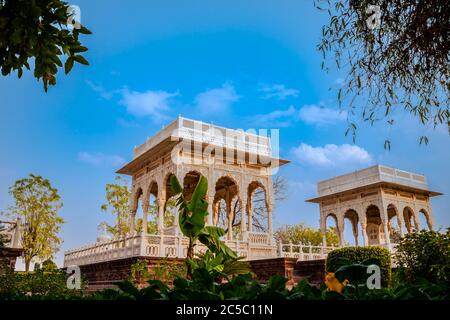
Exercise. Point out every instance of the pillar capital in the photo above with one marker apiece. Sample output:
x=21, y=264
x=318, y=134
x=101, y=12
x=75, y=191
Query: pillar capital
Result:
x=161, y=202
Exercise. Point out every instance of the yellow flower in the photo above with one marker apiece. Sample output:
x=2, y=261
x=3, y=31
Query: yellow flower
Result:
x=333, y=284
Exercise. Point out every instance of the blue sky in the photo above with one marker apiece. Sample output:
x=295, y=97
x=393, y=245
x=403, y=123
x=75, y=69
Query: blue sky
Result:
x=251, y=64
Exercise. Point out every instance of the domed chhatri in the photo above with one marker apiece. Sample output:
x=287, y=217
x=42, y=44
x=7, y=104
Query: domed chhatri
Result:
x=236, y=164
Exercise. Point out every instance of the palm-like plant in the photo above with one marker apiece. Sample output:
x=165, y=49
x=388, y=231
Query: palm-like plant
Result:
x=192, y=216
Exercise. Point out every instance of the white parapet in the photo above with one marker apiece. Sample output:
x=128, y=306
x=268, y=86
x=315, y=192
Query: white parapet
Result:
x=193, y=130
x=256, y=246
x=369, y=176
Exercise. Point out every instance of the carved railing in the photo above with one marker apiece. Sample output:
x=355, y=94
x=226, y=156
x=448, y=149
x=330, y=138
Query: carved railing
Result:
x=252, y=246
x=303, y=252
x=11, y=233
x=256, y=246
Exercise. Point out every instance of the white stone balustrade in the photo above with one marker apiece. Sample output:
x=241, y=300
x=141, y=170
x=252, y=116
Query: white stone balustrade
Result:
x=303, y=252
x=170, y=246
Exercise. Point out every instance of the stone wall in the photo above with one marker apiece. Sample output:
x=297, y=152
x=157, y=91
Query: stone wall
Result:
x=8, y=257
x=266, y=268
x=105, y=274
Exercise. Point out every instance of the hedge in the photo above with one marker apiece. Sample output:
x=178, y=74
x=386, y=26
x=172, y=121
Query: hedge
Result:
x=360, y=254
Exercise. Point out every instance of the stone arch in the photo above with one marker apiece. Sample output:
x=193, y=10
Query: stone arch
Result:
x=336, y=223
x=258, y=203
x=352, y=216
x=152, y=189
x=394, y=223
x=408, y=215
x=137, y=194
x=226, y=188
x=374, y=225
x=166, y=190
x=190, y=181
x=425, y=213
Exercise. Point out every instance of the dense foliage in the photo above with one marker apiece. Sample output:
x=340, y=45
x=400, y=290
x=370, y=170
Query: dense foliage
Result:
x=44, y=283
x=424, y=254
x=395, y=54
x=37, y=203
x=39, y=30
x=300, y=233
x=380, y=256
x=191, y=219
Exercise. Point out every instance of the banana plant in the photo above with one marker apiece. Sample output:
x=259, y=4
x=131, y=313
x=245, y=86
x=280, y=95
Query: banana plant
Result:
x=191, y=220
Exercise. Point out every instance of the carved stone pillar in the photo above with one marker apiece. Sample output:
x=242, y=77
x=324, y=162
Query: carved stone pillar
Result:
x=400, y=221
x=215, y=213
x=145, y=206
x=250, y=214
x=229, y=215
x=364, y=232
x=243, y=224
x=323, y=226
x=209, y=218
x=269, y=223
x=161, y=203
x=340, y=227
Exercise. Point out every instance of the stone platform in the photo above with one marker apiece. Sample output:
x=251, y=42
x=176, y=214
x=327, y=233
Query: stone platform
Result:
x=103, y=275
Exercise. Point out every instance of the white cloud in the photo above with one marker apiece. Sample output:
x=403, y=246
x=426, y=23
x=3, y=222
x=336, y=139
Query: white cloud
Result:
x=310, y=114
x=278, y=91
x=313, y=114
x=276, y=118
x=332, y=155
x=154, y=104
x=216, y=101
x=105, y=94
x=100, y=159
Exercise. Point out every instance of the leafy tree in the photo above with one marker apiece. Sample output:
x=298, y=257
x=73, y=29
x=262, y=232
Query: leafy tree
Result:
x=259, y=209
x=117, y=202
x=37, y=204
x=49, y=266
x=152, y=224
x=191, y=218
x=300, y=233
x=424, y=254
x=396, y=56
x=39, y=29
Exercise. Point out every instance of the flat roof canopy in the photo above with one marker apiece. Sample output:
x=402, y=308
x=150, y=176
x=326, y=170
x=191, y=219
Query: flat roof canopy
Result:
x=391, y=185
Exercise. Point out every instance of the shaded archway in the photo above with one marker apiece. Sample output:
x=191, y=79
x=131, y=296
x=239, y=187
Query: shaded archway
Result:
x=257, y=207
x=408, y=217
x=136, y=209
x=335, y=228
x=351, y=233
x=148, y=223
x=424, y=219
x=189, y=183
x=394, y=228
x=374, y=228
x=226, y=189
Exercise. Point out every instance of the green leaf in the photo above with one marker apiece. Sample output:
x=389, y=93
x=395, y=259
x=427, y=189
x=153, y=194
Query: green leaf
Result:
x=68, y=65
x=81, y=59
x=175, y=185
x=277, y=283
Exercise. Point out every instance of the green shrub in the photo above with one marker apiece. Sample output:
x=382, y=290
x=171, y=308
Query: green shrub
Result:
x=424, y=254
x=359, y=255
x=38, y=284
